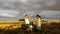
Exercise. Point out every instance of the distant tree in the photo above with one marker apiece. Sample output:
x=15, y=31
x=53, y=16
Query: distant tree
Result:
x=21, y=19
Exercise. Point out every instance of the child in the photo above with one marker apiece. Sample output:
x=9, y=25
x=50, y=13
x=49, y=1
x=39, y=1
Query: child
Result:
x=34, y=21
x=31, y=26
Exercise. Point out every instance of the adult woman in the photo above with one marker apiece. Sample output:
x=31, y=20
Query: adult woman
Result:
x=38, y=22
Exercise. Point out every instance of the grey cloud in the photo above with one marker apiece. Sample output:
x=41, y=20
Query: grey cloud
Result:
x=48, y=14
x=14, y=9
x=8, y=13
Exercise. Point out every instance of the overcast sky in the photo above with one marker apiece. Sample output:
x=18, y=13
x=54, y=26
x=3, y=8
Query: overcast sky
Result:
x=16, y=9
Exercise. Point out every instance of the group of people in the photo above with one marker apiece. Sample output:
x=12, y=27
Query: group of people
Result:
x=35, y=24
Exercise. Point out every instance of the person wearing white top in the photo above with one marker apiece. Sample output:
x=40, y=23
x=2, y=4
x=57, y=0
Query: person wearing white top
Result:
x=38, y=22
x=27, y=19
x=27, y=22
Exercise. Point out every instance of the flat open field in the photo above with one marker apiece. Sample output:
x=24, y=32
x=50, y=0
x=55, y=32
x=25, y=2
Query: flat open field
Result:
x=14, y=27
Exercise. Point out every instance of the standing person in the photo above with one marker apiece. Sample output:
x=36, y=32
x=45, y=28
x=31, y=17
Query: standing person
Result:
x=27, y=19
x=38, y=22
x=27, y=22
x=34, y=21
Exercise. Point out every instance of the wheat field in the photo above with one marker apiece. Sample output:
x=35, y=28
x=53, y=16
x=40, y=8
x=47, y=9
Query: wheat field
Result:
x=14, y=27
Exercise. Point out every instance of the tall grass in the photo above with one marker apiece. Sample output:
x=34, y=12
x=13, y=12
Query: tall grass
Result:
x=15, y=28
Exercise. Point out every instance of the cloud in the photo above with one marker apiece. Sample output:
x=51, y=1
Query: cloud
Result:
x=29, y=13
x=8, y=8
x=50, y=14
x=23, y=1
x=8, y=13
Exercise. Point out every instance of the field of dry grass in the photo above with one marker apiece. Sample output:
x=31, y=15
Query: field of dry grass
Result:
x=14, y=27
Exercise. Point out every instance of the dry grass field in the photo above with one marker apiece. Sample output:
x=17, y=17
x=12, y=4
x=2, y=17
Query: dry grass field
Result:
x=14, y=27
